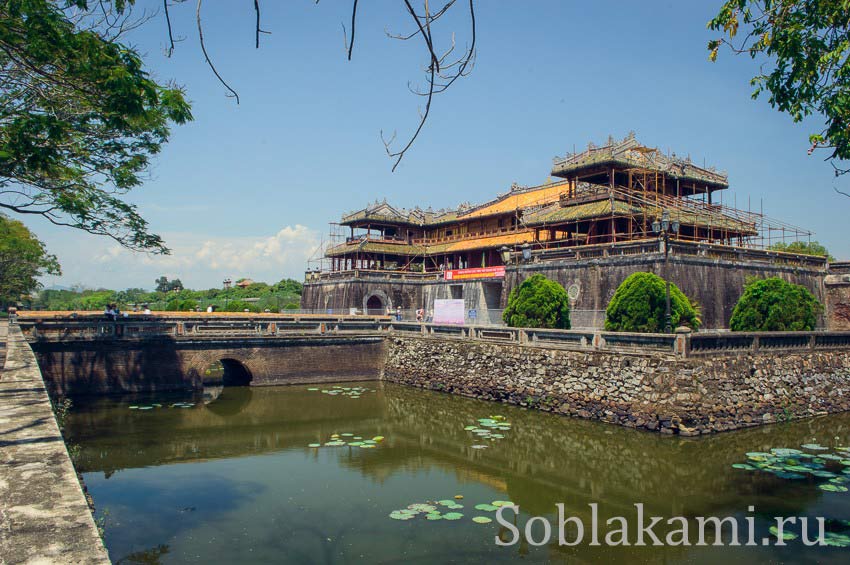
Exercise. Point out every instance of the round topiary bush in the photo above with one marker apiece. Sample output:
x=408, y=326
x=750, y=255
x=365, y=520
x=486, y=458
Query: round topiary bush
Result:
x=774, y=305
x=639, y=305
x=538, y=303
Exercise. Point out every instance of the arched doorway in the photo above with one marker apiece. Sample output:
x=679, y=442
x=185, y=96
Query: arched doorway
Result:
x=375, y=306
x=376, y=302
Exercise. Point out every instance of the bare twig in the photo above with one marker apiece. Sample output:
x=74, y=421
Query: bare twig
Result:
x=206, y=56
x=170, y=33
x=353, y=20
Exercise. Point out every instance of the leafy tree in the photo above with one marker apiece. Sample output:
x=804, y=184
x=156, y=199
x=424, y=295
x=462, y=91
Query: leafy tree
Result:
x=640, y=304
x=239, y=306
x=79, y=119
x=162, y=284
x=23, y=258
x=181, y=305
x=538, y=303
x=806, y=70
x=803, y=247
x=774, y=305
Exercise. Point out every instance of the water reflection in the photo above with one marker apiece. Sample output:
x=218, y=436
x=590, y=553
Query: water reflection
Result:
x=257, y=437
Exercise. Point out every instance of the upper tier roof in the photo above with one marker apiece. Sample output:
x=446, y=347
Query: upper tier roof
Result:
x=631, y=154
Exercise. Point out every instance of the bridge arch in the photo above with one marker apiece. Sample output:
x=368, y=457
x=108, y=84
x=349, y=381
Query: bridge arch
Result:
x=235, y=373
x=376, y=302
x=239, y=368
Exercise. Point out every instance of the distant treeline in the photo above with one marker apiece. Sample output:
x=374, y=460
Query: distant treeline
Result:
x=256, y=297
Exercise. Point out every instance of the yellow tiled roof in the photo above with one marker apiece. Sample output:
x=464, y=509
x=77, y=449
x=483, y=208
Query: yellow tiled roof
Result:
x=481, y=243
x=517, y=200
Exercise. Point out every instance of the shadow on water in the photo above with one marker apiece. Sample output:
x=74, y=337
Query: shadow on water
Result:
x=545, y=459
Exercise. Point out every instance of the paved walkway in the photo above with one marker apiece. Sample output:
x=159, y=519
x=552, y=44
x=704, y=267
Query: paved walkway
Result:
x=44, y=517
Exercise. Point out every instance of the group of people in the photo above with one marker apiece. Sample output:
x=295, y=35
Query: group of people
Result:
x=112, y=312
x=421, y=314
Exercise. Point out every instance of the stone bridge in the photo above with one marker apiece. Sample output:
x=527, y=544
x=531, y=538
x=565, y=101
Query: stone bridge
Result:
x=99, y=357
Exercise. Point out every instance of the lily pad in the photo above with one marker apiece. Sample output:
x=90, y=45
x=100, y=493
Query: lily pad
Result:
x=814, y=447
x=420, y=507
x=378, y=438
x=435, y=516
x=785, y=535
x=446, y=502
x=498, y=503
x=398, y=515
x=315, y=445
x=452, y=516
x=829, y=487
x=744, y=466
x=482, y=520
x=486, y=507
x=785, y=452
x=836, y=540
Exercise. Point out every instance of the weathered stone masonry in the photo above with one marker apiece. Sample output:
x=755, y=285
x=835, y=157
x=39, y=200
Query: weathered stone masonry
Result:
x=654, y=392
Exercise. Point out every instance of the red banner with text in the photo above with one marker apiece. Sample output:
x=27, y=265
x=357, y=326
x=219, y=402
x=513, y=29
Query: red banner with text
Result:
x=479, y=273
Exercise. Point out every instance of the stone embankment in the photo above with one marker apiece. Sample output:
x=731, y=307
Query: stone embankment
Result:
x=44, y=517
x=660, y=392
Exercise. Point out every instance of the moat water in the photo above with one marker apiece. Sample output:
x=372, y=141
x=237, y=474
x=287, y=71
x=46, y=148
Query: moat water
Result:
x=235, y=480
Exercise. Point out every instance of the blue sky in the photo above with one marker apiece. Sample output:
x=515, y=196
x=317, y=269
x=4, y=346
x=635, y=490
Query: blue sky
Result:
x=249, y=189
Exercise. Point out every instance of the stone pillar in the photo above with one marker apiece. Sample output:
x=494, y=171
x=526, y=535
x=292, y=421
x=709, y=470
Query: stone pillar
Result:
x=837, y=307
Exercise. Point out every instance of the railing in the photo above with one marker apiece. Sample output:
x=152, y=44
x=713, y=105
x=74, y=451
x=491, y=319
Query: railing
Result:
x=759, y=342
x=679, y=345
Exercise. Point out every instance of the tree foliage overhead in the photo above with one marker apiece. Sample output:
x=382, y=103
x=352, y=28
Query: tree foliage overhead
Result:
x=775, y=305
x=806, y=45
x=804, y=248
x=80, y=119
x=538, y=303
x=640, y=303
x=23, y=258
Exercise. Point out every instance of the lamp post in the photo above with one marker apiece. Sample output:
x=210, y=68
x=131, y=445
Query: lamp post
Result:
x=226, y=284
x=505, y=252
x=526, y=252
x=663, y=228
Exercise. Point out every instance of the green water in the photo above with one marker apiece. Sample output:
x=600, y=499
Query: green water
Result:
x=233, y=481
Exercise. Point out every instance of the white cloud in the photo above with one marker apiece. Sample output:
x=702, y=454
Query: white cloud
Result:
x=200, y=261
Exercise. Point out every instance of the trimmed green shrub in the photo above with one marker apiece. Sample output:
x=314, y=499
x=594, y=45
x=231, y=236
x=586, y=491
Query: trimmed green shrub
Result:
x=538, y=303
x=774, y=305
x=640, y=302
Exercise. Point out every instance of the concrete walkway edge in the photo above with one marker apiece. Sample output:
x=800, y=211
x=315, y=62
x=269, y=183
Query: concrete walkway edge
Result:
x=44, y=517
